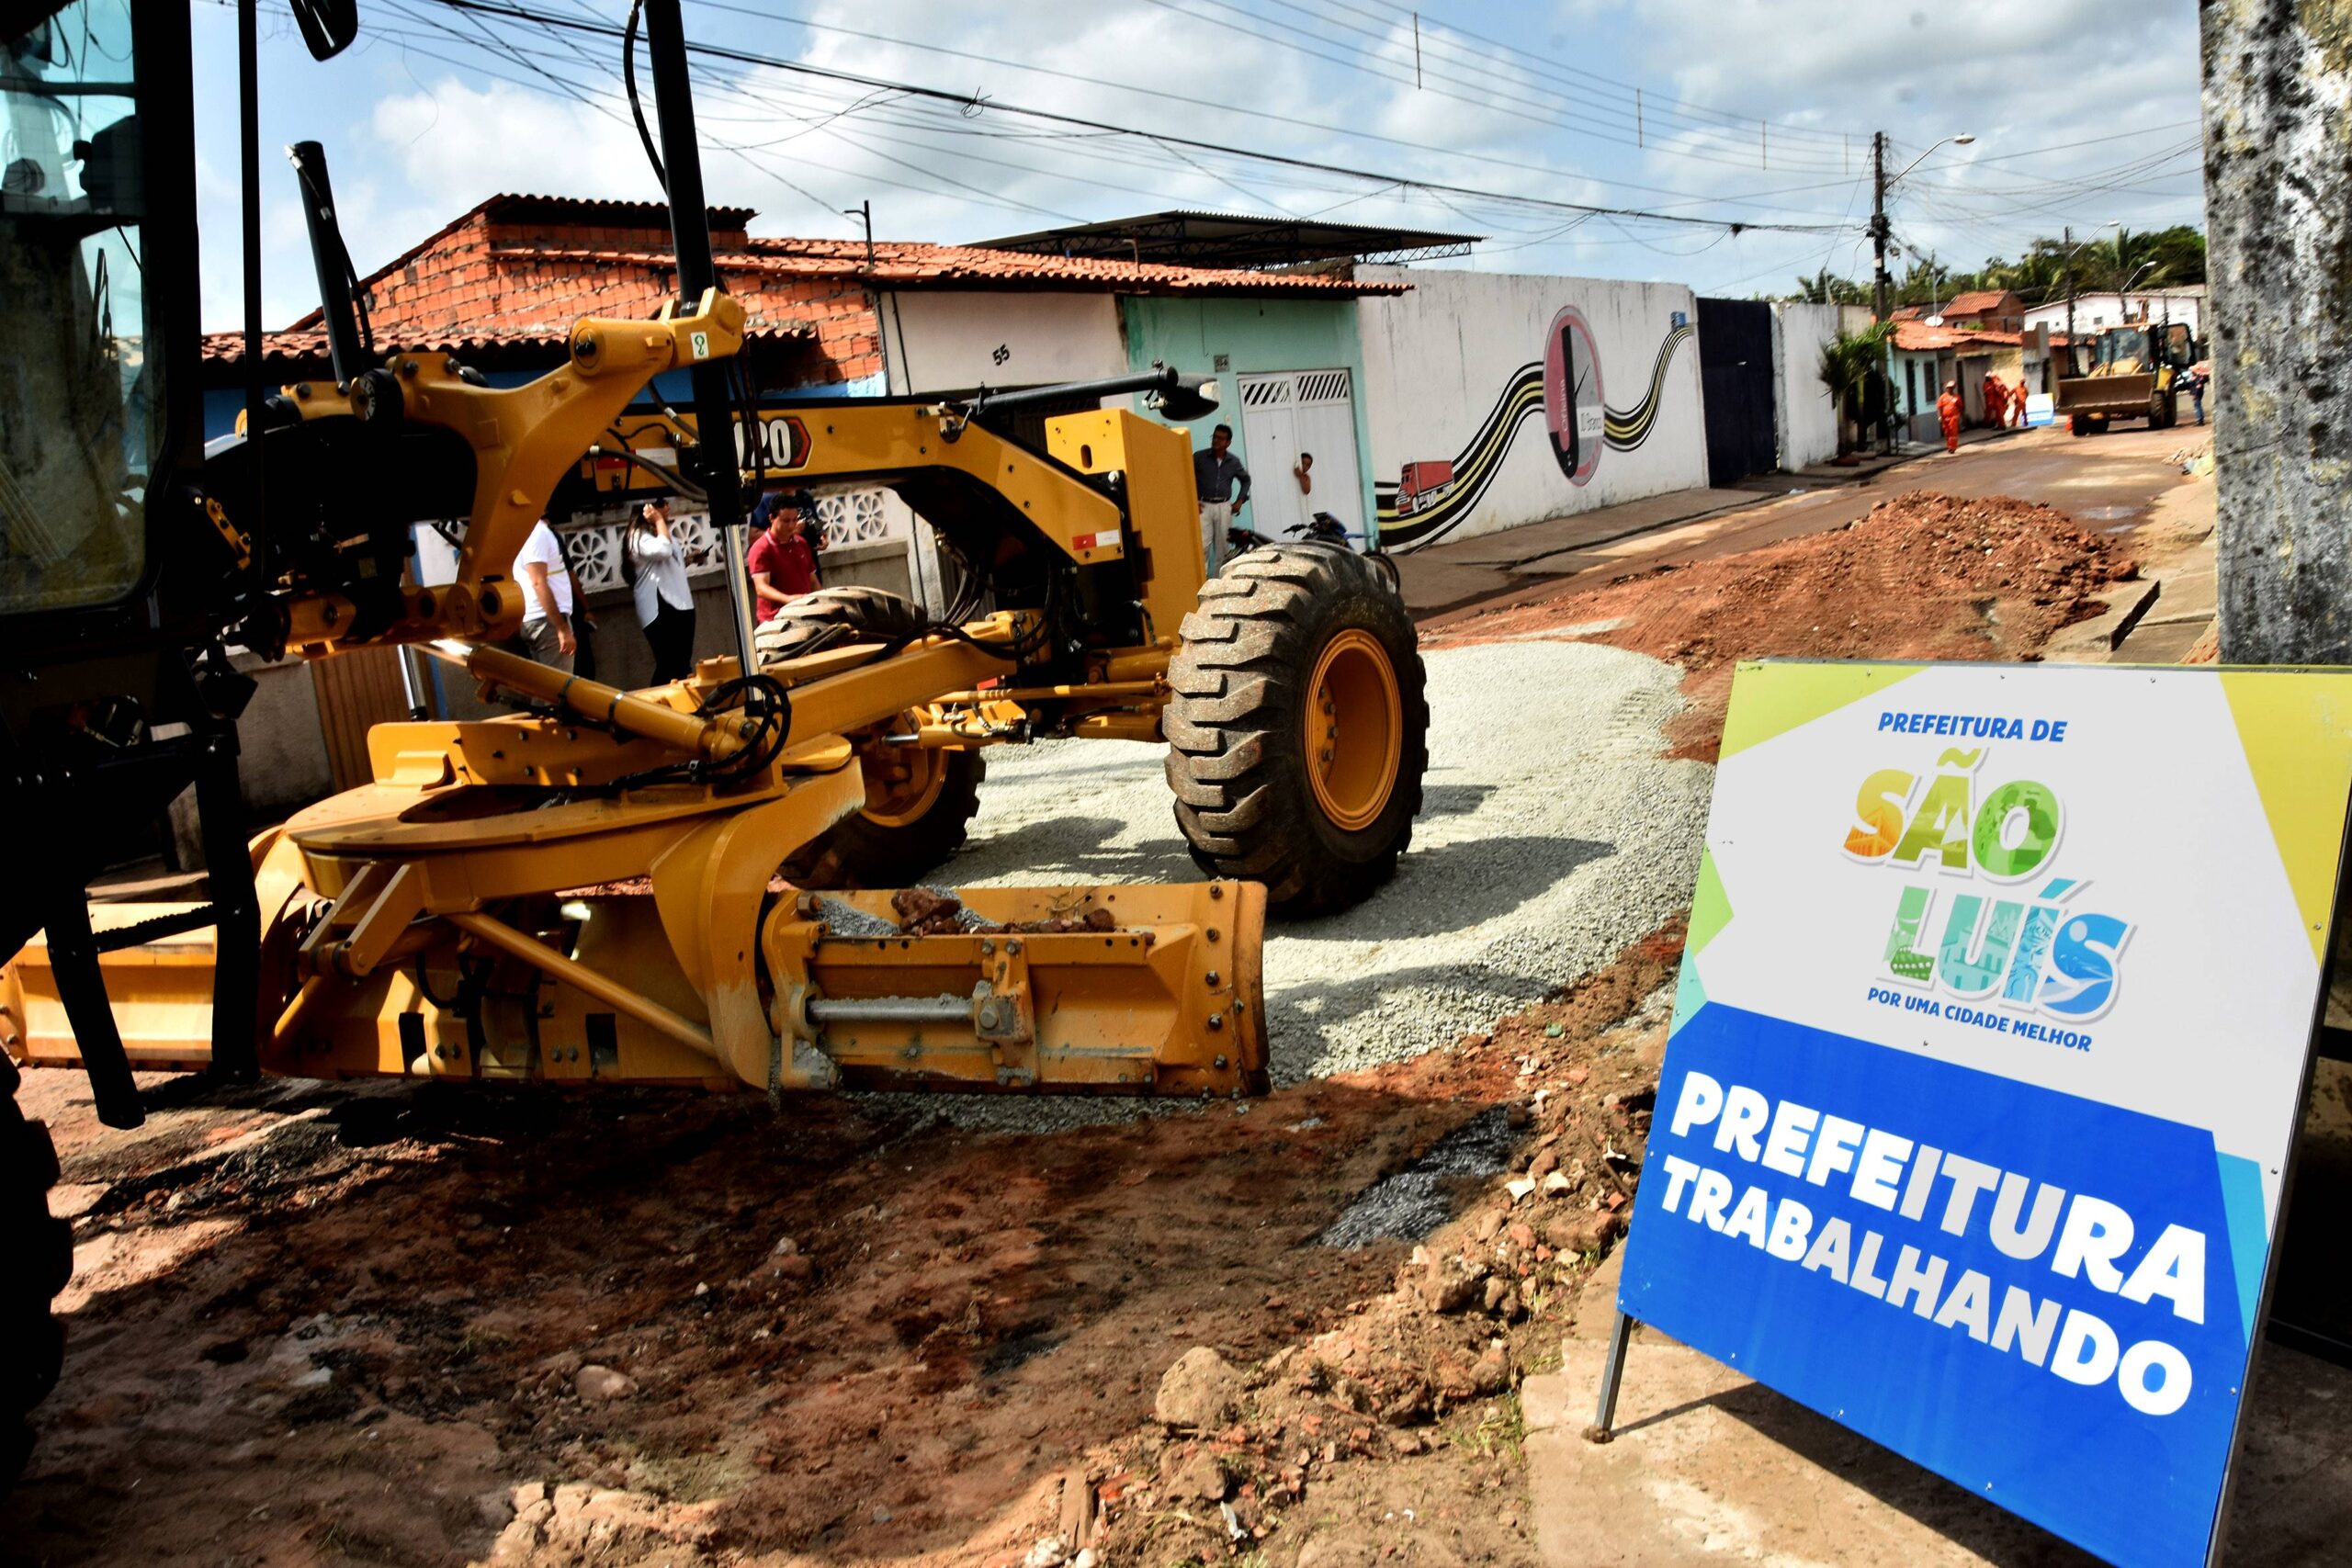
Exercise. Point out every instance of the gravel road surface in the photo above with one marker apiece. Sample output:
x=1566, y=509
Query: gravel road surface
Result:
x=1554, y=833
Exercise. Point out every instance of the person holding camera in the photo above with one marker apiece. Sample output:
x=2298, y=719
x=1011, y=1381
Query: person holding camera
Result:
x=783, y=551
x=653, y=563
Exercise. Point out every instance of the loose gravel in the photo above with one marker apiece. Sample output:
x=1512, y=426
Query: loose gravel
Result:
x=1554, y=831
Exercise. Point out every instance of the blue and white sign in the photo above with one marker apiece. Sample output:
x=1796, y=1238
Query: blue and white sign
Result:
x=1989, y=1049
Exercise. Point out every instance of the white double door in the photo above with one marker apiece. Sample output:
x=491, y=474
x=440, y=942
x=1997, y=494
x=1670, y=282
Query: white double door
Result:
x=1288, y=413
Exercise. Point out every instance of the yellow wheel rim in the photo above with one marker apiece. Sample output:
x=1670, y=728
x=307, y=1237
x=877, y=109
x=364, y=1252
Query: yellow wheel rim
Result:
x=901, y=781
x=1354, y=730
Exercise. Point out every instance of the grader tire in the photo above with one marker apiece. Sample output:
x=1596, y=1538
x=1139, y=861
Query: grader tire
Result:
x=1298, y=726
x=919, y=803
x=36, y=1259
x=903, y=834
x=836, y=617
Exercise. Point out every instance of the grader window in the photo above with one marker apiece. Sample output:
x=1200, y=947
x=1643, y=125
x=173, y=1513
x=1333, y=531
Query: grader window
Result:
x=80, y=403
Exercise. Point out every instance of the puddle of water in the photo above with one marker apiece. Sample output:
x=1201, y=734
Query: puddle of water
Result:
x=2121, y=529
x=2105, y=514
x=1419, y=1199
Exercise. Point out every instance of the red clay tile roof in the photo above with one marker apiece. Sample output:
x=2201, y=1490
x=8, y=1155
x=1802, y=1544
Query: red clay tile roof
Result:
x=903, y=264
x=570, y=212
x=523, y=267
x=1979, y=301
x=1917, y=337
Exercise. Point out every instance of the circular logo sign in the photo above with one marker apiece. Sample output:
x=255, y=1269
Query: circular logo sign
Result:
x=1573, y=410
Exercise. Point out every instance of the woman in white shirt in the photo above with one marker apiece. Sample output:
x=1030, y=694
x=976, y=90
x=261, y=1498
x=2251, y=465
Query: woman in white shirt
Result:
x=654, y=561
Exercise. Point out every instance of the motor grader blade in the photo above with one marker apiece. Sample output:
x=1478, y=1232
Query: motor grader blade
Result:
x=1136, y=989
x=162, y=991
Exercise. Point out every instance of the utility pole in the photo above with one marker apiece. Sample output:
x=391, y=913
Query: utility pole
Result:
x=865, y=210
x=2068, y=241
x=2281, y=214
x=1878, y=215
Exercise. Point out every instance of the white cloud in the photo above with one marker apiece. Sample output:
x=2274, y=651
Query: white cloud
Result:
x=424, y=140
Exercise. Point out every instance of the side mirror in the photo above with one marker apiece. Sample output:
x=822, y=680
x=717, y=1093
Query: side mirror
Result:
x=328, y=26
x=1192, y=397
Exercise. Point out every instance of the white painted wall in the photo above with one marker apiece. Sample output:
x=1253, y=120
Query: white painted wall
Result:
x=950, y=341
x=2106, y=310
x=1803, y=418
x=1440, y=360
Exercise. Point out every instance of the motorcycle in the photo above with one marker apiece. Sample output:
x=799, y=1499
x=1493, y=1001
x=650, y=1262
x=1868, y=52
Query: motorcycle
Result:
x=1320, y=529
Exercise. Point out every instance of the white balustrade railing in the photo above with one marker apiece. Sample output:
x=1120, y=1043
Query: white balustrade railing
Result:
x=594, y=549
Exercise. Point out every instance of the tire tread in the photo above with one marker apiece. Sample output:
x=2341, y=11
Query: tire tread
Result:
x=1234, y=763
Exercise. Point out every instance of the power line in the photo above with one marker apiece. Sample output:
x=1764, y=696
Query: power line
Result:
x=1559, y=70
x=2086, y=141
x=1486, y=96
x=1187, y=99
x=753, y=58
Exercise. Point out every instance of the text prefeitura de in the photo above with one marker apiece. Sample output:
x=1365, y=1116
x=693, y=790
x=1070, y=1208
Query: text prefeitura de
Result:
x=1973, y=727
x=1916, y=1181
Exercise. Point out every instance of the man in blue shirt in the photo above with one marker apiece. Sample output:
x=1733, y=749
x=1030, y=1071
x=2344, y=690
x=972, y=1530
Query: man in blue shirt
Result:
x=1215, y=474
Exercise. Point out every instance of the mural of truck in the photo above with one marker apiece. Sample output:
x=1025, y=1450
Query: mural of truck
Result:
x=1423, y=485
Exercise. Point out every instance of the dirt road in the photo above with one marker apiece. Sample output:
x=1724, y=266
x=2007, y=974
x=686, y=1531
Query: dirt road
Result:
x=2110, y=483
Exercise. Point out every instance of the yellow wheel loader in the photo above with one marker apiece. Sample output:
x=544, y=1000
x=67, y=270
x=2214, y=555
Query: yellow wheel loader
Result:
x=2132, y=371
x=699, y=884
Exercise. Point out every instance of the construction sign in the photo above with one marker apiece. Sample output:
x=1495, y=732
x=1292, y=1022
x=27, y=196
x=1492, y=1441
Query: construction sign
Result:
x=1989, y=1050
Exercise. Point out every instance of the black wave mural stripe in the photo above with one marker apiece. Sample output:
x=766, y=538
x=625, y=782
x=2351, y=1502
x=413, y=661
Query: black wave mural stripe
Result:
x=1628, y=430
x=1477, y=463
x=1507, y=410
x=1474, y=468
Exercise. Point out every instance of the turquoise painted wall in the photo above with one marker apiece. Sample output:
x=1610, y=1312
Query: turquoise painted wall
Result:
x=1255, y=335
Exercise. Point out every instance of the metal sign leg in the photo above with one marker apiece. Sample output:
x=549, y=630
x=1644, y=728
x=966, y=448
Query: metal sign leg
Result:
x=1613, y=1373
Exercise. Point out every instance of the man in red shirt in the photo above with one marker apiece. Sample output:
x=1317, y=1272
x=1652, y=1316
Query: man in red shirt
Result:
x=783, y=552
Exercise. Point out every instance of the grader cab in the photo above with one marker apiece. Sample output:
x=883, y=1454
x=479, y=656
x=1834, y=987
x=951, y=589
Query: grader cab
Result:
x=712, y=882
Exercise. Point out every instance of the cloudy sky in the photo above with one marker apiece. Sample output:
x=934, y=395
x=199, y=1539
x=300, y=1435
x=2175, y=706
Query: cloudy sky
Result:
x=1697, y=113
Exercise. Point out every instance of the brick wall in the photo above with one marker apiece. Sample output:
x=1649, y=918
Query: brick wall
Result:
x=482, y=275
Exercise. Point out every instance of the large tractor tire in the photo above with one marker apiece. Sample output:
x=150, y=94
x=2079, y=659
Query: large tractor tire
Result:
x=920, y=801
x=836, y=617
x=36, y=1259
x=1298, y=726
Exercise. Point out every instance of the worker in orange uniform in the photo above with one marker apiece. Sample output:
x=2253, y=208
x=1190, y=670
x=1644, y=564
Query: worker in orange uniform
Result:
x=1996, y=402
x=1948, y=409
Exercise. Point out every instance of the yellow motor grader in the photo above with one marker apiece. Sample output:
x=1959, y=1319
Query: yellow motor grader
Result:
x=684, y=884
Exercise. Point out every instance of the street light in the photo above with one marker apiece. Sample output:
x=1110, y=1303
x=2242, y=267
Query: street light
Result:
x=2123, y=295
x=1963, y=139
x=2067, y=262
x=1881, y=184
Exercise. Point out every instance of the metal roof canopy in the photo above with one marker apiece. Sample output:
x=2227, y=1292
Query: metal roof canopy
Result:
x=1222, y=239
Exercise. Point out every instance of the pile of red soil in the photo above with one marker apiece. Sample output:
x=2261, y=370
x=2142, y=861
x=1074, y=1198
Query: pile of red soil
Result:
x=1922, y=576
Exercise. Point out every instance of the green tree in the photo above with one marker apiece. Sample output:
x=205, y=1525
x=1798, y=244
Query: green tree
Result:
x=1853, y=364
x=1826, y=287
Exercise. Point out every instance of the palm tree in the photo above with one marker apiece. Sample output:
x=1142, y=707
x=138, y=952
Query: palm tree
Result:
x=1850, y=363
x=1826, y=287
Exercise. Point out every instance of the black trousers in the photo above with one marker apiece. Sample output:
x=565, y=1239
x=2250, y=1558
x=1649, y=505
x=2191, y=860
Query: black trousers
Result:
x=671, y=634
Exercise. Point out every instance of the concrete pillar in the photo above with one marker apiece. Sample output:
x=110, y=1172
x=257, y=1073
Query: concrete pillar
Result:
x=2278, y=206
